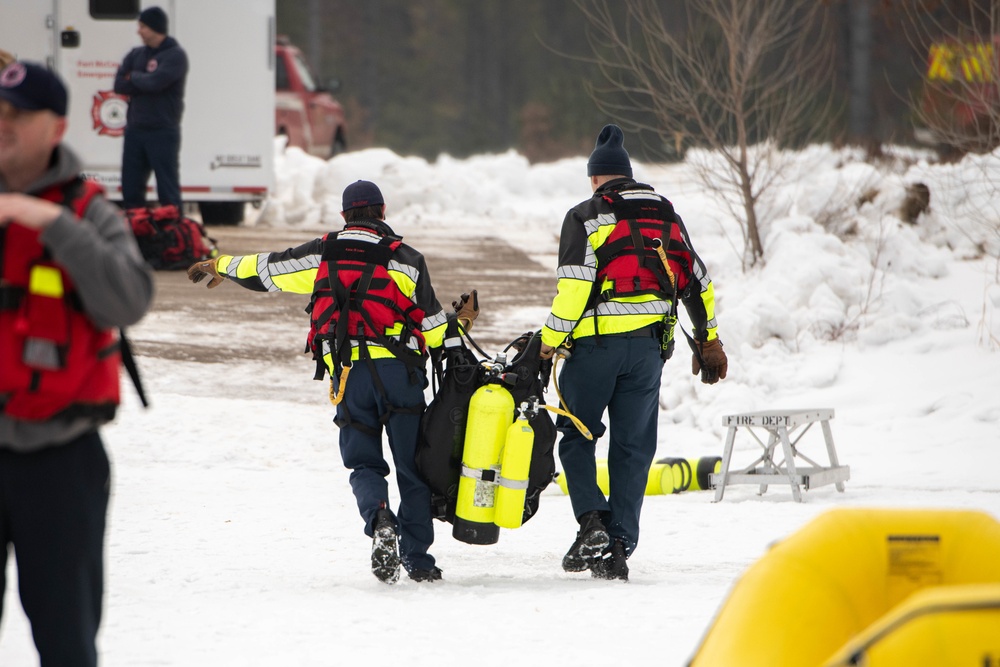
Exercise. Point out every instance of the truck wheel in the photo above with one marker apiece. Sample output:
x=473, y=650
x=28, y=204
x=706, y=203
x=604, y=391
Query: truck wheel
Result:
x=222, y=212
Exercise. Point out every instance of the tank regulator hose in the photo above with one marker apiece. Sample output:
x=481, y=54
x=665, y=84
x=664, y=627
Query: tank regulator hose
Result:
x=565, y=409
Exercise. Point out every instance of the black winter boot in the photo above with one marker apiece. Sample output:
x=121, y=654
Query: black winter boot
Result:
x=612, y=565
x=591, y=540
x=385, y=548
x=433, y=574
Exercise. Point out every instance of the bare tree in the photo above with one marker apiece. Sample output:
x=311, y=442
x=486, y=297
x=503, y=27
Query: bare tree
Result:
x=743, y=78
x=958, y=107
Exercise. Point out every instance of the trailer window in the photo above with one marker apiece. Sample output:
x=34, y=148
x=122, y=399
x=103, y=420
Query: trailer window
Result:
x=281, y=75
x=114, y=9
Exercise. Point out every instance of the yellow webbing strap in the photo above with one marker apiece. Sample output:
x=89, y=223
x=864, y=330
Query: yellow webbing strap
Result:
x=337, y=396
x=565, y=410
x=658, y=244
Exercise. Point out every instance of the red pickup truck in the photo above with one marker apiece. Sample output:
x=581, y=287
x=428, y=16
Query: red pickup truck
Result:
x=305, y=111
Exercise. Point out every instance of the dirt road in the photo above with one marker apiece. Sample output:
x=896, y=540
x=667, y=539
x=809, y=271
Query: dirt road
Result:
x=229, y=321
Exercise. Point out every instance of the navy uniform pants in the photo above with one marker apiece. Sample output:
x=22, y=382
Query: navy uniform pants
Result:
x=620, y=374
x=361, y=449
x=53, y=508
x=146, y=151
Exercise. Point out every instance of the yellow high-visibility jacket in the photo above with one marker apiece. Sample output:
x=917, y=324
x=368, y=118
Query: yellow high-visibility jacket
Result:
x=577, y=306
x=294, y=270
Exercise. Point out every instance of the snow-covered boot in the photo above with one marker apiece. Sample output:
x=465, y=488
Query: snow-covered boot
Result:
x=433, y=574
x=612, y=565
x=591, y=541
x=385, y=548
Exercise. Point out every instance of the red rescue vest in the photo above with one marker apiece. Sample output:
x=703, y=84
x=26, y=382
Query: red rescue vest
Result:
x=54, y=362
x=355, y=299
x=627, y=261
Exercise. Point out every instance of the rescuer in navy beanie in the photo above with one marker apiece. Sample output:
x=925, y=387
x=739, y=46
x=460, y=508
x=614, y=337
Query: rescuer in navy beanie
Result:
x=155, y=19
x=609, y=156
x=362, y=193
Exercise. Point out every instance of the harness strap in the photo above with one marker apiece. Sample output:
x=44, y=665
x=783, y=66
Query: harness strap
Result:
x=390, y=409
x=128, y=361
x=515, y=484
x=349, y=300
x=10, y=296
x=344, y=419
x=352, y=299
x=488, y=475
x=82, y=193
x=635, y=215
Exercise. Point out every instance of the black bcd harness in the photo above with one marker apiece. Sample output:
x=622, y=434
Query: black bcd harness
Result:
x=355, y=300
x=629, y=262
x=458, y=373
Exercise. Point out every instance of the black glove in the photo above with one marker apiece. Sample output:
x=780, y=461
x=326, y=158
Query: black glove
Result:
x=711, y=360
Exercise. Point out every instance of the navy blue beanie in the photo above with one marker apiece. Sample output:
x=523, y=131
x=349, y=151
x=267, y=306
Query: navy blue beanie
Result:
x=155, y=19
x=609, y=156
x=362, y=193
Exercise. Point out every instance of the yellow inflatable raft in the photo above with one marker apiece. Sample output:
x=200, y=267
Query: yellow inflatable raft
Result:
x=942, y=625
x=832, y=593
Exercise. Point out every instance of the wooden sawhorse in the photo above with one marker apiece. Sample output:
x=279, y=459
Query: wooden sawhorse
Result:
x=780, y=425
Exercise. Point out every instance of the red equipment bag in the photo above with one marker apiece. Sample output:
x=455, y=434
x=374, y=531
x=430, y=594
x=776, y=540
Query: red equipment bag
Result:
x=168, y=240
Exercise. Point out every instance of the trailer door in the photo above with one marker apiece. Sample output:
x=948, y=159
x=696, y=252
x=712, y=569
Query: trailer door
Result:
x=91, y=39
x=26, y=29
x=227, y=145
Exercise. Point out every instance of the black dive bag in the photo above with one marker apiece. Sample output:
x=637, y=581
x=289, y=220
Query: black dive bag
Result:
x=458, y=374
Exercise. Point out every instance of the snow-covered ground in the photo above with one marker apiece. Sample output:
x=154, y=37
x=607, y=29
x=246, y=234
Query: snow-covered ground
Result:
x=234, y=538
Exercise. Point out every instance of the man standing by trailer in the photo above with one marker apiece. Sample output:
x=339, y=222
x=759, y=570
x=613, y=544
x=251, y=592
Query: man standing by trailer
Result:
x=153, y=76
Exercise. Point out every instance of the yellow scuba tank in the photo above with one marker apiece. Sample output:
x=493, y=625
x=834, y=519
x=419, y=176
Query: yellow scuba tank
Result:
x=676, y=475
x=491, y=411
x=515, y=462
x=660, y=480
x=604, y=480
x=703, y=467
x=666, y=476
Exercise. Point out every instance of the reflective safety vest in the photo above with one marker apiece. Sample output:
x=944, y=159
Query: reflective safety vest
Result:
x=627, y=261
x=54, y=361
x=356, y=301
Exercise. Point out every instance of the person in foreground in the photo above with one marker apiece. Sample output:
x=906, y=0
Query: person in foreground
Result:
x=70, y=275
x=624, y=260
x=373, y=314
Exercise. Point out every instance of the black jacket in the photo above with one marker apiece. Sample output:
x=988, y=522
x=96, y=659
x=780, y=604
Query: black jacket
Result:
x=154, y=81
x=294, y=270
